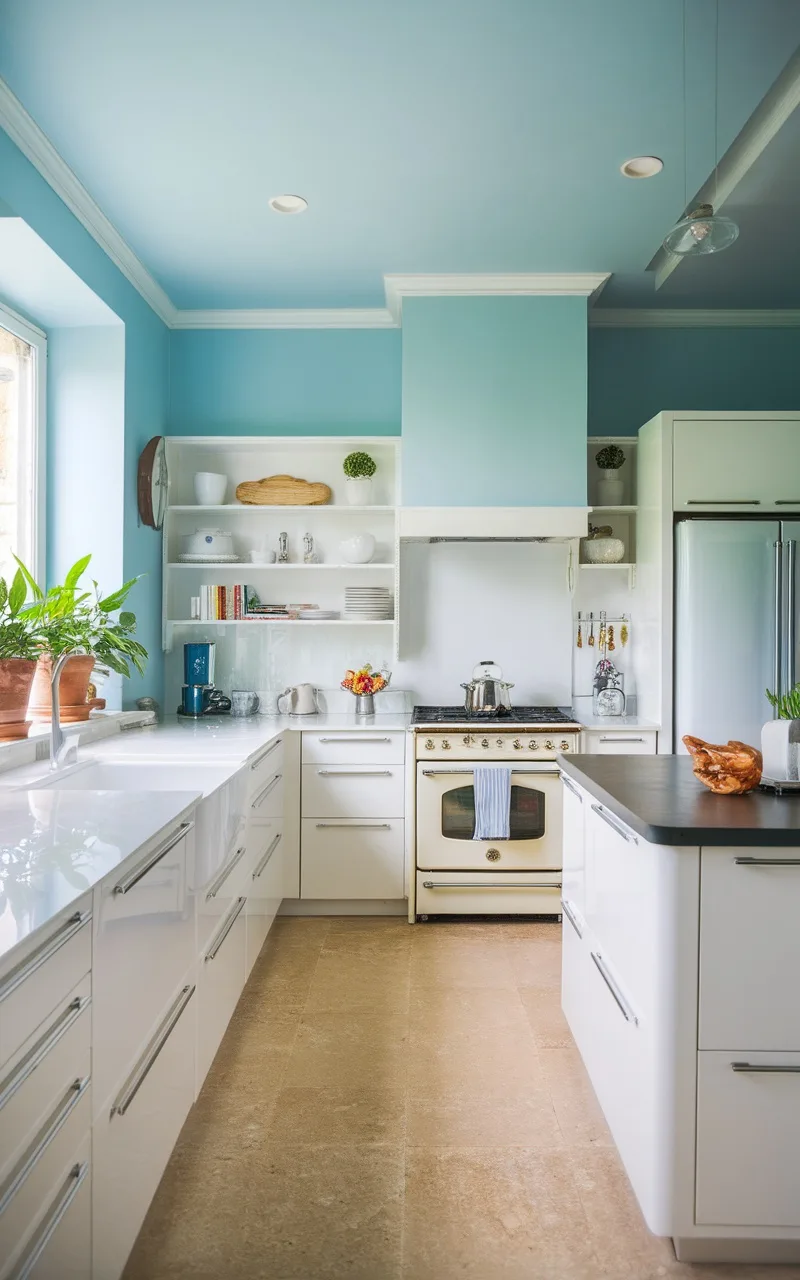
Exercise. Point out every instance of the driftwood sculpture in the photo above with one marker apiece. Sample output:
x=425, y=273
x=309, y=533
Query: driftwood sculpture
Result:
x=283, y=491
x=728, y=770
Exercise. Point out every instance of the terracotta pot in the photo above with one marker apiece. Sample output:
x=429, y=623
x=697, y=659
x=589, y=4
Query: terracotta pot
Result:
x=16, y=678
x=73, y=690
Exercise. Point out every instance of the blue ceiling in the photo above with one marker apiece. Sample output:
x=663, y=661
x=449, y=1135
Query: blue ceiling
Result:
x=427, y=136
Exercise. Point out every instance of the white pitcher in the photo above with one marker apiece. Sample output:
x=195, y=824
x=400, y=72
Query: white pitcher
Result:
x=302, y=700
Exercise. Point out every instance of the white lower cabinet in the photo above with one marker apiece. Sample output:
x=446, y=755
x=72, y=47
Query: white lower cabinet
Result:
x=620, y=742
x=353, y=858
x=220, y=979
x=574, y=855
x=353, y=791
x=264, y=886
x=60, y=1244
x=135, y=1130
x=748, y=1139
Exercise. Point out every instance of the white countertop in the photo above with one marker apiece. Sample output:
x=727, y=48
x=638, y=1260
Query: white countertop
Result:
x=611, y=724
x=57, y=845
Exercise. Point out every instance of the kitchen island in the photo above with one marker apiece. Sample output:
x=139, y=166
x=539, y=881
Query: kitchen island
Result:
x=681, y=971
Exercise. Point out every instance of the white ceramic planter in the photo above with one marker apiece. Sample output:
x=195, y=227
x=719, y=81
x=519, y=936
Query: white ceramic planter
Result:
x=209, y=488
x=359, y=492
x=610, y=487
x=780, y=747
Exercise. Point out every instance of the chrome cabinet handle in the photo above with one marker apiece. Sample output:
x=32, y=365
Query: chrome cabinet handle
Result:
x=443, y=773
x=354, y=773
x=567, y=909
x=225, y=872
x=617, y=737
x=791, y=614
x=787, y=502
x=571, y=787
x=625, y=1008
x=39, y=1051
x=770, y=1068
x=30, y=1158
x=58, y=1208
x=262, y=864
x=778, y=654
x=143, y=1067
x=260, y=759
x=723, y=502
x=228, y=924
x=767, y=862
x=617, y=826
x=475, y=884
x=43, y=953
x=127, y=883
x=262, y=795
x=352, y=738
x=360, y=826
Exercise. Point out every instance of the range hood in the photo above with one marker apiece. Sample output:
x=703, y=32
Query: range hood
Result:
x=493, y=524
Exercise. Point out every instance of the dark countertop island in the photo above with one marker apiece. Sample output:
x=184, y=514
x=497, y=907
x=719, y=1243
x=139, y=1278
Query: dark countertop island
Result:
x=660, y=799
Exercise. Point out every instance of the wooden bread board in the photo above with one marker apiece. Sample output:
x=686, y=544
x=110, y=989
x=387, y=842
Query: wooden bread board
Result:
x=283, y=491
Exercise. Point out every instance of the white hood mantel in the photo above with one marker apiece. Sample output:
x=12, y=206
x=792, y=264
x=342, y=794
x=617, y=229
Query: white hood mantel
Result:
x=483, y=524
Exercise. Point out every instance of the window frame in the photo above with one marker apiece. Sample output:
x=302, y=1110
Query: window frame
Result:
x=37, y=340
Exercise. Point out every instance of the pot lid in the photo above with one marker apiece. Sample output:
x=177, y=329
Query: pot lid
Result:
x=487, y=670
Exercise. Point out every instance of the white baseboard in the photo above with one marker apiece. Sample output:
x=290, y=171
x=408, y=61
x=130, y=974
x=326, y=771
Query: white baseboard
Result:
x=343, y=907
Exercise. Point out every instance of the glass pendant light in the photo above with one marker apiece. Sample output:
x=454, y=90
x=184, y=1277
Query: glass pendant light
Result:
x=701, y=230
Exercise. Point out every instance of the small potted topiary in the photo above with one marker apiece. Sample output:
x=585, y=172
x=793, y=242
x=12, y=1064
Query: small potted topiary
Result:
x=610, y=485
x=780, y=738
x=19, y=649
x=359, y=468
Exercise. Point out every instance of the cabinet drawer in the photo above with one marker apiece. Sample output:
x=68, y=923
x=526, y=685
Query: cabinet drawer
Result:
x=748, y=1139
x=622, y=889
x=633, y=742
x=220, y=979
x=268, y=800
x=136, y=1130
x=751, y=479
x=60, y=1246
x=264, y=765
x=488, y=893
x=352, y=858
x=355, y=791
x=574, y=837
x=365, y=746
x=265, y=887
x=43, y=975
x=32, y=1082
x=574, y=972
x=748, y=995
x=144, y=945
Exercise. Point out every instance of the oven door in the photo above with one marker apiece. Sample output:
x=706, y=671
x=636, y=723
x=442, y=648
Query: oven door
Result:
x=446, y=821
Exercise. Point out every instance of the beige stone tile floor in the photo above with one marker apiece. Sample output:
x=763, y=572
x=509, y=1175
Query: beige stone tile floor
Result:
x=402, y=1103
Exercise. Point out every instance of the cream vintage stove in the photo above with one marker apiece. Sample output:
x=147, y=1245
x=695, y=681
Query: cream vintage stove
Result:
x=458, y=875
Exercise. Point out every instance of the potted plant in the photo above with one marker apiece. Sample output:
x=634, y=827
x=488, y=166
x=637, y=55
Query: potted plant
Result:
x=359, y=469
x=19, y=650
x=68, y=618
x=610, y=484
x=780, y=738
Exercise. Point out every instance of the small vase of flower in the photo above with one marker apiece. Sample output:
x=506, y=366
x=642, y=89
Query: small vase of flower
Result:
x=359, y=468
x=610, y=485
x=780, y=738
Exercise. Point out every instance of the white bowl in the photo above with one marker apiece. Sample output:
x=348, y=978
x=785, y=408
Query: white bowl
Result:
x=359, y=549
x=603, y=550
x=262, y=557
x=209, y=488
x=211, y=542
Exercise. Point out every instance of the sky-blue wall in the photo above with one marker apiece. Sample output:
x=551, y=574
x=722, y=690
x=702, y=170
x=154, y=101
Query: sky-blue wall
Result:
x=635, y=373
x=24, y=190
x=494, y=402
x=285, y=382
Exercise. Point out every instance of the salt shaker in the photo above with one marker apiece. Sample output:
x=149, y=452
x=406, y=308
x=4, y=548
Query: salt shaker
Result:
x=283, y=548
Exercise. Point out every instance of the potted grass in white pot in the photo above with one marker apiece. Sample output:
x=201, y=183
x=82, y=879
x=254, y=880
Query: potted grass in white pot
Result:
x=780, y=738
x=359, y=468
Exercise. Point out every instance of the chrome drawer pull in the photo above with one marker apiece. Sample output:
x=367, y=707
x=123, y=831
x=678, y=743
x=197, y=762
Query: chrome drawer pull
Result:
x=617, y=737
x=260, y=759
x=226, y=928
x=767, y=862
x=787, y=502
x=352, y=738
x=57, y=1210
x=788, y=1069
x=359, y=826
x=262, y=795
x=354, y=773
x=475, y=884
x=225, y=872
x=40, y=1050
x=617, y=826
x=127, y=883
x=723, y=502
x=142, y=1069
x=571, y=787
x=444, y=773
x=567, y=909
x=43, y=953
x=41, y=1142
x=262, y=864
x=625, y=1008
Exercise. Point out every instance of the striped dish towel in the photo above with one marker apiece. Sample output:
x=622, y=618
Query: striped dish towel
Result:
x=492, y=789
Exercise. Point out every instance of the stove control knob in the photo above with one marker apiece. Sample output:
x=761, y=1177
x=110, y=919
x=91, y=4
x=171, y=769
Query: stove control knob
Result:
x=467, y=740
x=517, y=745
x=549, y=746
x=533, y=745
x=445, y=744
x=429, y=744
x=484, y=742
x=493, y=855
x=564, y=745
x=500, y=742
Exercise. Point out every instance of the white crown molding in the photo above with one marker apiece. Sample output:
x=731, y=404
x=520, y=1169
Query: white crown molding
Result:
x=23, y=130
x=289, y=318
x=515, y=284
x=675, y=318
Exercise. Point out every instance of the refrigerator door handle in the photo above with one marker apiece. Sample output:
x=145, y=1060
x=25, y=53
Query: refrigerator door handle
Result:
x=791, y=616
x=777, y=669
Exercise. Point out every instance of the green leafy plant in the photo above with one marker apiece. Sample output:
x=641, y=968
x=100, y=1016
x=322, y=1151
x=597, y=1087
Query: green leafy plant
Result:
x=610, y=457
x=18, y=634
x=66, y=617
x=787, y=705
x=359, y=466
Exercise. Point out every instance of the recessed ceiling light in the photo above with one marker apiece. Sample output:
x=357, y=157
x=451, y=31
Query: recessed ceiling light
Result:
x=288, y=204
x=642, y=167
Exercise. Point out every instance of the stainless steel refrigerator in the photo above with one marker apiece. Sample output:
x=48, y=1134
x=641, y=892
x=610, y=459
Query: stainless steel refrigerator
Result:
x=736, y=633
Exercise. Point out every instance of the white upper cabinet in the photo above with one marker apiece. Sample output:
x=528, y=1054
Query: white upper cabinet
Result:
x=737, y=464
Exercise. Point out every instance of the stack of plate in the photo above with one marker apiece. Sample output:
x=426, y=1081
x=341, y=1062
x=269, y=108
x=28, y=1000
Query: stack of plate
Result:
x=369, y=604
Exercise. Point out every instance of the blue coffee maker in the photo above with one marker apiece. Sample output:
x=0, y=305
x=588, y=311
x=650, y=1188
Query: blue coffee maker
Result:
x=199, y=696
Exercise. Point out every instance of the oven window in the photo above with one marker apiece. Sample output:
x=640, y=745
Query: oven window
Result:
x=527, y=813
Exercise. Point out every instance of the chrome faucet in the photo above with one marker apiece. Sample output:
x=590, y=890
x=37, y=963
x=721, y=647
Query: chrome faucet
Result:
x=62, y=752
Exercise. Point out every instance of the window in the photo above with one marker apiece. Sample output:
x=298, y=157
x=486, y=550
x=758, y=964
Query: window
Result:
x=22, y=375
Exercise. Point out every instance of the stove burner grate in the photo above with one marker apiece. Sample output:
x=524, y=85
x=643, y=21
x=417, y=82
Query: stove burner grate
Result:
x=516, y=715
